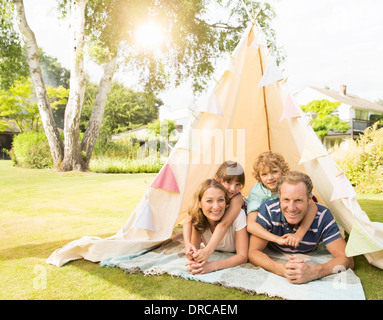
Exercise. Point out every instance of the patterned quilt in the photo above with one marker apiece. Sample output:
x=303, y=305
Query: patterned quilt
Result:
x=170, y=258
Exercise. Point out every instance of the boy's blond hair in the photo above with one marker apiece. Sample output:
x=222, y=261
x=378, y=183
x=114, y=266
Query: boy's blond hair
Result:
x=269, y=159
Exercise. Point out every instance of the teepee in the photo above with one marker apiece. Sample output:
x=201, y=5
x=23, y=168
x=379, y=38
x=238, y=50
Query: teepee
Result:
x=246, y=112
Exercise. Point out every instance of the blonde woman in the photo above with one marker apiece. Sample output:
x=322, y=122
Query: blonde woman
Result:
x=208, y=208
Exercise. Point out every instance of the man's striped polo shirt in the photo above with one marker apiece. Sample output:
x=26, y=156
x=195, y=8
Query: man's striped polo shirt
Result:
x=323, y=227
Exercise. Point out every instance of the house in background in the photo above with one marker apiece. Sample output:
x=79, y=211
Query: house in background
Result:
x=6, y=137
x=360, y=113
x=180, y=116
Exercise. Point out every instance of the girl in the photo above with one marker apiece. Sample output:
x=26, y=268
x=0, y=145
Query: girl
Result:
x=268, y=169
x=231, y=175
x=208, y=209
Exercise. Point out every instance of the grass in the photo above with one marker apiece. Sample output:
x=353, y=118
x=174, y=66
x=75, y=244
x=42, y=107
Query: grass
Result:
x=42, y=210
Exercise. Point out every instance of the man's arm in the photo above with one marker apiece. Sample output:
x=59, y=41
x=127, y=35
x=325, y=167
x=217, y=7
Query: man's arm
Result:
x=337, y=248
x=258, y=258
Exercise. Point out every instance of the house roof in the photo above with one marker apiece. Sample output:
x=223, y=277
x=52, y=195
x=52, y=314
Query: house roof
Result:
x=13, y=128
x=351, y=100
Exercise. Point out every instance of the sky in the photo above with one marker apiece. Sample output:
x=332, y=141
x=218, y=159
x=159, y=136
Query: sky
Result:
x=332, y=42
x=325, y=43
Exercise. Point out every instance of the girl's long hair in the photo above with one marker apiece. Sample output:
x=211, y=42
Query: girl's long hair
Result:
x=198, y=219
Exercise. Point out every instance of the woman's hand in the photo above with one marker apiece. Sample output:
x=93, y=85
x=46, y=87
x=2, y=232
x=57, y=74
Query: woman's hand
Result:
x=201, y=255
x=190, y=251
x=198, y=267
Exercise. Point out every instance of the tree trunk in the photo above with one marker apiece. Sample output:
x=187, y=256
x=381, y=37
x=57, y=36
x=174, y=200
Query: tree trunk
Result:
x=51, y=131
x=72, y=152
x=69, y=156
x=92, y=132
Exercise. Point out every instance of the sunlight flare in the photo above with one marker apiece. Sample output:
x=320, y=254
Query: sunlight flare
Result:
x=149, y=35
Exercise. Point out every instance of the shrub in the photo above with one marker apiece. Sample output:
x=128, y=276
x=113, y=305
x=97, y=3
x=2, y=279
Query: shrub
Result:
x=362, y=162
x=31, y=150
x=123, y=149
x=124, y=165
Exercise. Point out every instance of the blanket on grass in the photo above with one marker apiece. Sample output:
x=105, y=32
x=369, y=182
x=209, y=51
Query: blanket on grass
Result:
x=170, y=258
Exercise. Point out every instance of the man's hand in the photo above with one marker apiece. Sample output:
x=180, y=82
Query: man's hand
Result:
x=297, y=271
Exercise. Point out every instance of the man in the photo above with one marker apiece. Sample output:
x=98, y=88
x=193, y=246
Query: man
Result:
x=282, y=216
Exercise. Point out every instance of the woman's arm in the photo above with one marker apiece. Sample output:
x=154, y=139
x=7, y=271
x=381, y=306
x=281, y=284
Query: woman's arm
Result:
x=190, y=249
x=196, y=239
x=241, y=243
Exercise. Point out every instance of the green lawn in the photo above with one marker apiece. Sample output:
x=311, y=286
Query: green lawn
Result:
x=42, y=210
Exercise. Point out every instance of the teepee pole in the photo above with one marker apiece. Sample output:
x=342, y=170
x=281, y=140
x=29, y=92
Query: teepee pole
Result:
x=260, y=9
x=265, y=104
x=260, y=60
x=253, y=16
x=247, y=10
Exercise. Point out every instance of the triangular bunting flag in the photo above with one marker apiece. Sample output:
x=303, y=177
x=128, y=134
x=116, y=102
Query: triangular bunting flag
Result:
x=272, y=74
x=187, y=141
x=211, y=105
x=259, y=40
x=228, y=67
x=290, y=109
x=144, y=220
x=359, y=242
x=165, y=180
x=342, y=188
x=313, y=149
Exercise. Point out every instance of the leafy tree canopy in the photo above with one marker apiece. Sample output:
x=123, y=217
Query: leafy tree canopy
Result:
x=19, y=103
x=324, y=120
x=125, y=109
x=197, y=33
x=162, y=129
x=54, y=74
x=12, y=60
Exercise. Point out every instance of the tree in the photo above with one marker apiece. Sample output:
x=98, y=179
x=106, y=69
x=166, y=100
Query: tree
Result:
x=16, y=103
x=124, y=110
x=56, y=144
x=324, y=120
x=58, y=99
x=162, y=129
x=108, y=25
x=53, y=73
x=12, y=60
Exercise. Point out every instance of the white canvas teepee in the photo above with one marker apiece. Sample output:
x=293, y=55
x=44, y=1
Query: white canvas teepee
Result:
x=247, y=112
